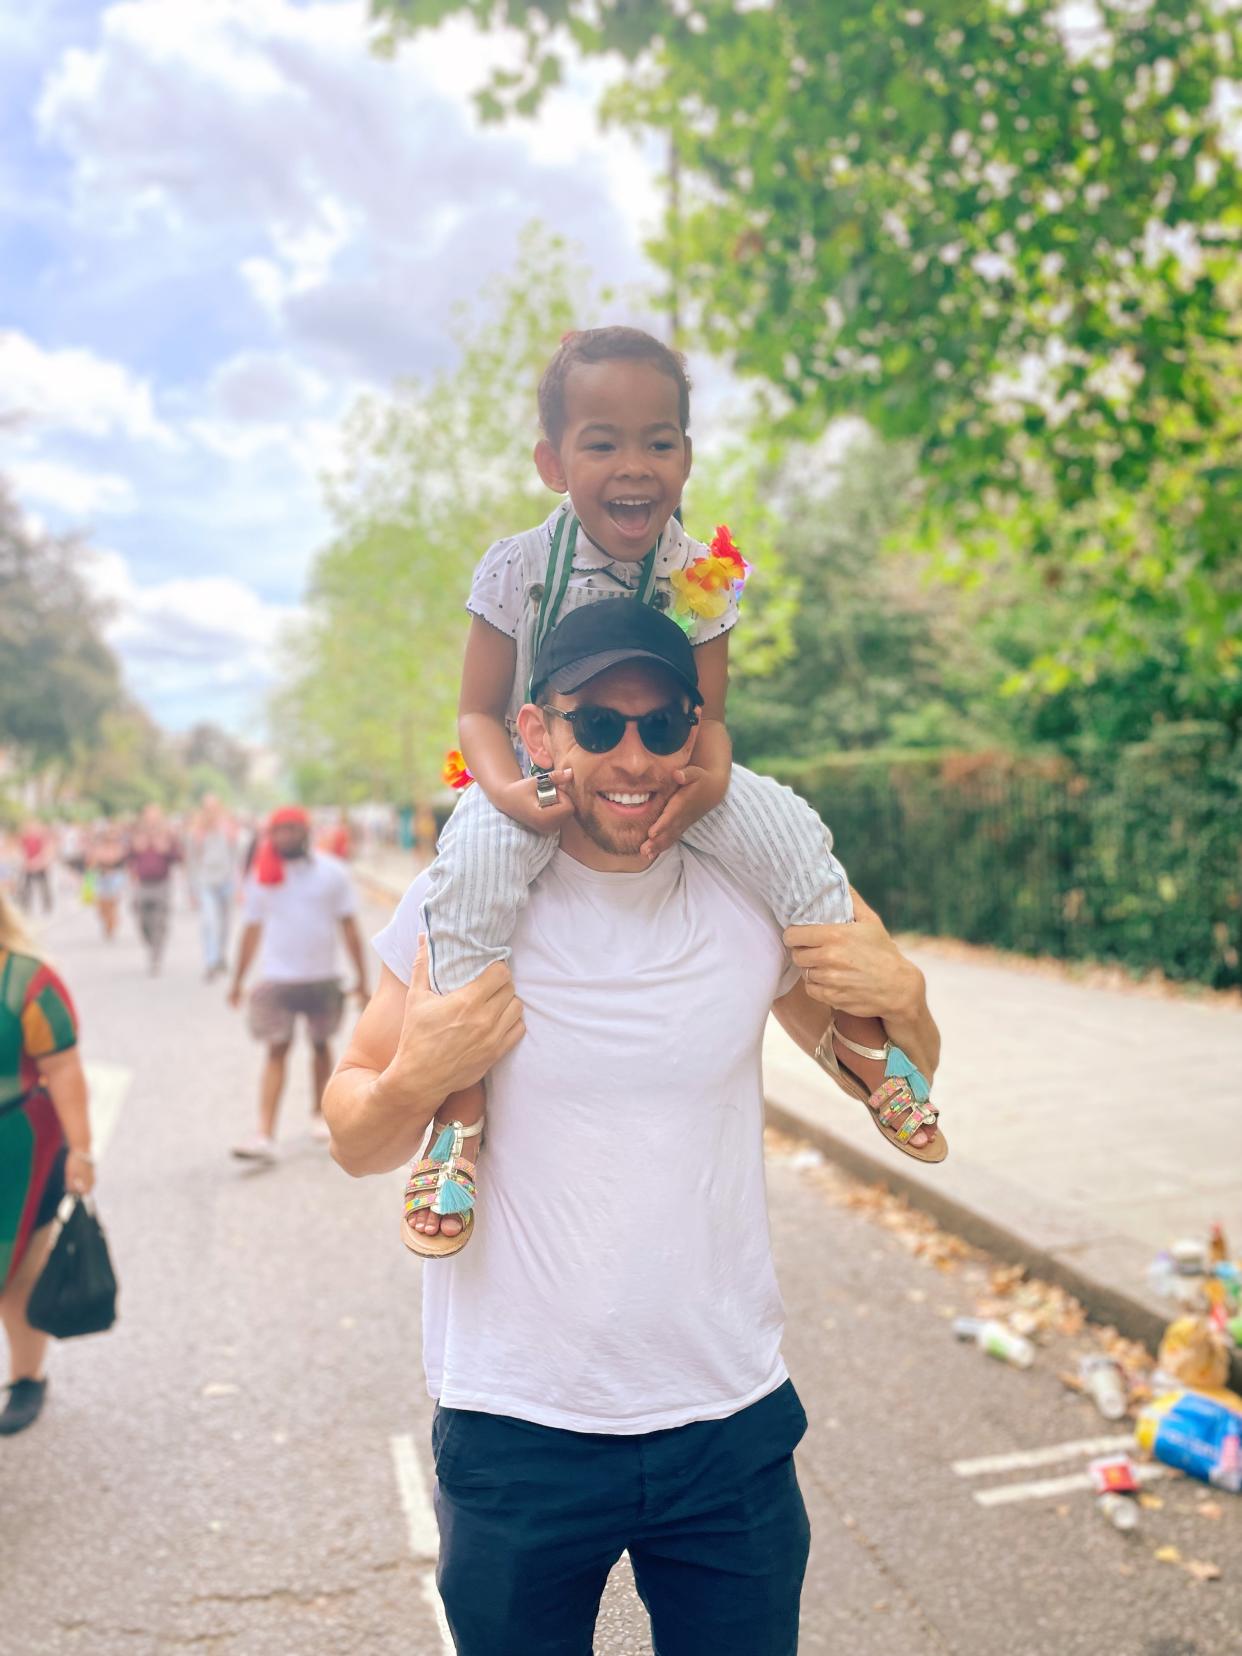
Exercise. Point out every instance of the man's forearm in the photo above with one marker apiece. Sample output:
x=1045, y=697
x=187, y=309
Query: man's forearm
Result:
x=374, y=1129
x=911, y=1026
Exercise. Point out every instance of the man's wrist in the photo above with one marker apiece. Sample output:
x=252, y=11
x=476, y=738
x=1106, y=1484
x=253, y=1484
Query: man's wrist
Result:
x=911, y=992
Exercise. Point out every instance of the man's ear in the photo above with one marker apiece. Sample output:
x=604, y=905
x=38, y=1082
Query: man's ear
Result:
x=533, y=729
x=548, y=465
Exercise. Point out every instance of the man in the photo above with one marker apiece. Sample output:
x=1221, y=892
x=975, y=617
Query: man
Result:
x=38, y=848
x=213, y=873
x=154, y=852
x=606, y=1353
x=295, y=907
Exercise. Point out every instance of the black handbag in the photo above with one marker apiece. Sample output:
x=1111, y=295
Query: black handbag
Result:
x=76, y=1290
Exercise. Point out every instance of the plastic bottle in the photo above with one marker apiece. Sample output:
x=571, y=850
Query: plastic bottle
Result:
x=1105, y=1384
x=996, y=1340
x=1121, y=1510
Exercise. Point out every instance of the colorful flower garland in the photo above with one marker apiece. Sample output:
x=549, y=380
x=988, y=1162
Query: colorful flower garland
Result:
x=703, y=588
x=454, y=772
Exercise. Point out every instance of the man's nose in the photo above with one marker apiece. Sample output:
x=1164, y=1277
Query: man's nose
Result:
x=632, y=757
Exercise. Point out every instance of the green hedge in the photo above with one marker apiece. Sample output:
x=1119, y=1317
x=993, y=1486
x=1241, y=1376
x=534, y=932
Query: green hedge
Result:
x=1136, y=859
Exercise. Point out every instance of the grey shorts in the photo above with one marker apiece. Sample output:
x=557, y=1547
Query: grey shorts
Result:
x=275, y=1007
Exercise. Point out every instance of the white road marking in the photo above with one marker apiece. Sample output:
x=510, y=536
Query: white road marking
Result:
x=108, y=1086
x=1020, y=1460
x=421, y=1527
x=1043, y=1487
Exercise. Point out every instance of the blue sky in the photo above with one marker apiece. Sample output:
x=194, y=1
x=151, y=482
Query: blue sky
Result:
x=220, y=221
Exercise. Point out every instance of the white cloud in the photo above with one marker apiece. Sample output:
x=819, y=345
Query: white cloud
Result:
x=204, y=644
x=68, y=489
x=75, y=390
x=355, y=200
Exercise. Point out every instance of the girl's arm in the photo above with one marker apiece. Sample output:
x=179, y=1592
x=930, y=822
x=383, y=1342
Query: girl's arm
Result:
x=706, y=781
x=486, y=683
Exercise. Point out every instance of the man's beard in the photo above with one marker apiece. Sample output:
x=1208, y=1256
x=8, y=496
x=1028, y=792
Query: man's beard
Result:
x=294, y=852
x=614, y=835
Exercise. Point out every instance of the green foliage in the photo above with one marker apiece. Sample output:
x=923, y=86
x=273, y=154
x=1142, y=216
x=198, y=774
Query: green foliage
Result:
x=435, y=474
x=1134, y=861
x=128, y=764
x=1011, y=245
x=58, y=678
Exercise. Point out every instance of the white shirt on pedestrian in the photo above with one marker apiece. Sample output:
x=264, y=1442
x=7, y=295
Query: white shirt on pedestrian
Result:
x=620, y=1275
x=301, y=918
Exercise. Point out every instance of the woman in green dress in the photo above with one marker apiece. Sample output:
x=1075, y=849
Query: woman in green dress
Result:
x=45, y=1147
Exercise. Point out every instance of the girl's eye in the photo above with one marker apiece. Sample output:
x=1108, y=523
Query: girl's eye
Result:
x=599, y=448
x=662, y=448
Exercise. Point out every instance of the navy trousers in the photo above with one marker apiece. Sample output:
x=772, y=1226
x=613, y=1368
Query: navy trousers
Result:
x=532, y=1519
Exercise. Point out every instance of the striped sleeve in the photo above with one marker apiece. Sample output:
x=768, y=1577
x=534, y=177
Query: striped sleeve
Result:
x=49, y=1023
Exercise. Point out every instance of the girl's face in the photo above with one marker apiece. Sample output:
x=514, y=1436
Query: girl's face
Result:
x=623, y=457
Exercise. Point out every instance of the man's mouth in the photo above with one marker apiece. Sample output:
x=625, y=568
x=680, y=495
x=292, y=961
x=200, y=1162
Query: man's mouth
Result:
x=631, y=513
x=631, y=804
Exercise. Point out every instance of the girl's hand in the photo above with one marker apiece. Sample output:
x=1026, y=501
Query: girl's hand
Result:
x=79, y=1173
x=697, y=794
x=517, y=800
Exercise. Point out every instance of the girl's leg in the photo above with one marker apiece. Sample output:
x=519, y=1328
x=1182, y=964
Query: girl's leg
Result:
x=776, y=846
x=484, y=867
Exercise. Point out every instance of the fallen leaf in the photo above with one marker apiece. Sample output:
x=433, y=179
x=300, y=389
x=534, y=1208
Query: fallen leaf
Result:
x=1168, y=1555
x=1201, y=1570
x=1062, y=1511
x=1150, y=1503
x=1210, y=1509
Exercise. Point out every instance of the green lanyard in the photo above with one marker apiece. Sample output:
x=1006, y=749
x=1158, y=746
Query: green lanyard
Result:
x=560, y=567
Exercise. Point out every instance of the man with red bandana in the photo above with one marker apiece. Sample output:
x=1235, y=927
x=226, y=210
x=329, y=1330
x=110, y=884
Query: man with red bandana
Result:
x=296, y=905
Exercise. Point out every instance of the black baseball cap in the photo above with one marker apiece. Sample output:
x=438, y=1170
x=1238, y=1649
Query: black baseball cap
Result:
x=597, y=636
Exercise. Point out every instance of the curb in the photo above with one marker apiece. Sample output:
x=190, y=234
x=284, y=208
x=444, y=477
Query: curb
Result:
x=1134, y=1315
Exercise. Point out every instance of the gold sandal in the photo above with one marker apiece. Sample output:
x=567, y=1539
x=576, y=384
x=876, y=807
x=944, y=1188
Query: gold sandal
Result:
x=444, y=1182
x=904, y=1091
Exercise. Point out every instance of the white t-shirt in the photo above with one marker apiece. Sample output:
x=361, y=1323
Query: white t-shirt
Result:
x=620, y=1274
x=301, y=918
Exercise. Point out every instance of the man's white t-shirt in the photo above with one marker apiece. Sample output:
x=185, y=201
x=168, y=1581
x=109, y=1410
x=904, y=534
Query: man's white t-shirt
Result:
x=620, y=1275
x=301, y=918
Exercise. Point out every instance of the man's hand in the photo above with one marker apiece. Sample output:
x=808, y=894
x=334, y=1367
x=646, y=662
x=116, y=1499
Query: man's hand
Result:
x=235, y=995
x=856, y=968
x=448, y=1042
x=517, y=800
x=697, y=794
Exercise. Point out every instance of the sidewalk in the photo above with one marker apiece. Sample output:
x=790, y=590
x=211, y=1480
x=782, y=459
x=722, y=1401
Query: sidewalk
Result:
x=1088, y=1127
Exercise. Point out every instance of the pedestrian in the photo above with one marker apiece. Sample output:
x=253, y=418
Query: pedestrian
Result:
x=296, y=905
x=614, y=404
x=45, y=1147
x=606, y=1356
x=213, y=869
x=153, y=854
x=38, y=845
x=107, y=856
x=338, y=837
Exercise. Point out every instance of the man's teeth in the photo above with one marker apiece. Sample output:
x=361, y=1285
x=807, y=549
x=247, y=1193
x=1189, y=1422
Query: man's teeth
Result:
x=628, y=799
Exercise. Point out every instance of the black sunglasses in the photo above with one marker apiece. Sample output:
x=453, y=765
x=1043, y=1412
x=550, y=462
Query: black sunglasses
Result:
x=663, y=731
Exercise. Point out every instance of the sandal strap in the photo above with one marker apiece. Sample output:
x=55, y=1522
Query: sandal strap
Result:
x=424, y=1189
x=892, y=1099
x=466, y=1132
x=878, y=1053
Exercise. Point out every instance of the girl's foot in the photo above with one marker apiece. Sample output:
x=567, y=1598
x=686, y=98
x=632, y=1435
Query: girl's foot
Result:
x=444, y=1179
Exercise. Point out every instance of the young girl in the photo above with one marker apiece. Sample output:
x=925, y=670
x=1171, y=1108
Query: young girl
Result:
x=614, y=404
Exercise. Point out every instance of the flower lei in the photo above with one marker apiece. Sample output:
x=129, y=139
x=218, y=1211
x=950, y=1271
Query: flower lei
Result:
x=704, y=587
x=454, y=771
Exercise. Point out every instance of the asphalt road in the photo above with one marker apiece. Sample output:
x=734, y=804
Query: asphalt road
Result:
x=241, y=1465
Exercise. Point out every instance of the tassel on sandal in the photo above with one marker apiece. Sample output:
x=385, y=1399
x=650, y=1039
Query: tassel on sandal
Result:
x=904, y=1091
x=444, y=1182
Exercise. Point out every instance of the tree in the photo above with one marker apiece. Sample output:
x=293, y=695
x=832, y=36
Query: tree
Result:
x=58, y=678
x=1009, y=244
x=206, y=748
x=435, y=473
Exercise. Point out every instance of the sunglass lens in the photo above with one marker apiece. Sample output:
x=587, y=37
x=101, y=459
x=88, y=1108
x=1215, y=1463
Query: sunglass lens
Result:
x=664, y=731
x=598, y=729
